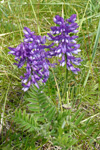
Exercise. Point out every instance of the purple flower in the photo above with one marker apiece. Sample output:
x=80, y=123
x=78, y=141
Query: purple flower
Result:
x=66, y=45
x=32, y=54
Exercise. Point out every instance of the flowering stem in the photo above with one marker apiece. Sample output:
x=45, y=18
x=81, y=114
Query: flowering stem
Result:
x=57, y=90
x=66, y=81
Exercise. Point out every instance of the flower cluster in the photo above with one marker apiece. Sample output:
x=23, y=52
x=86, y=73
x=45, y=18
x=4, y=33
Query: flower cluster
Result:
x=66, y=44
x=31, y=52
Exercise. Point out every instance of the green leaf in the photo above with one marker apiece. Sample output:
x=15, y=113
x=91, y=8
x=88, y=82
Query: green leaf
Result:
x=79, y=119
x=75, y=115
x=24, y=120
x=40, y=104
x=50, y=113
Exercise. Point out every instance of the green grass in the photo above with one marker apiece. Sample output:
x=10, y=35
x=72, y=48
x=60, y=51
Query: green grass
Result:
x=84, y=88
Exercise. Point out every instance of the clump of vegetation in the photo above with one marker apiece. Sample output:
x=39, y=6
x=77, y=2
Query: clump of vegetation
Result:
x=58, y=107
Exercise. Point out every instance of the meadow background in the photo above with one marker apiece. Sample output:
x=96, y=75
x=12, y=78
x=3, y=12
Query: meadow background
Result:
x=83, y=89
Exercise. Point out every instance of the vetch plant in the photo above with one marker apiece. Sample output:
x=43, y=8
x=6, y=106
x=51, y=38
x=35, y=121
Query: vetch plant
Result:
x=32, y=53
x=44, y=118
x=67, y=45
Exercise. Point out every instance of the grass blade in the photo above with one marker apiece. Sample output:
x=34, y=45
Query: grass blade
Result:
x=94, y=52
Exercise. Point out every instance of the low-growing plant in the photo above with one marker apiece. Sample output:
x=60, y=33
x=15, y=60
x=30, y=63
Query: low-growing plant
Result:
x=54, y=119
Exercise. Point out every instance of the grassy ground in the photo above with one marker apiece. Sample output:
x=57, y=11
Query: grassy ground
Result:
x=38, y=16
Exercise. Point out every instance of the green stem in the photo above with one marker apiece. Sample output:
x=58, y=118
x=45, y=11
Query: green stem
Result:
x=57, y=90
x=66, y=81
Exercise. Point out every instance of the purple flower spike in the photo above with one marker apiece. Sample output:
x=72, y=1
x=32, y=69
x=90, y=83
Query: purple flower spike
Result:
x=32, y=54
x=72, y=18
x=66, y=45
